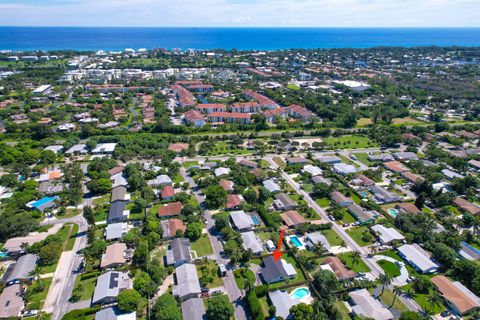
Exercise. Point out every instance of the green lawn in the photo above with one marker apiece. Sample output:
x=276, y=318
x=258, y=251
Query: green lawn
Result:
x=363, y=157
x=292, y=86
x=36, y=300
x=350, y=142
x=363, y=122
x=391, y=254
x=279, y=162
x=202, y=246
x=178, y=178
x=71, y=238
x=223, y=147
x=323, y=202
x=347, y=160
x=102, y=199
x=189, y=164
x=85, y=288
x=347, y=217
x=357, y=234
x=422, y=300
x=358, y=266
x=387, y=298
x=342, y=309
x=332, y=237
x=69, y=213
x=264, y=305
x=208, y=275
x=390, y=268
x=244, y=275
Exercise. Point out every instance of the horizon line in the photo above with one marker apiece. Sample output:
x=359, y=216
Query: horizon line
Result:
x=250, y=27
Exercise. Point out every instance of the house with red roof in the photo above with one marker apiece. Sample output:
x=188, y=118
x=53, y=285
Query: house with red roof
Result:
x=167, y=192
x=170, y=209
x=272, y=113
x=229, y=117
x=233, y=201
x=246, y=107
x=211, y=107
x=194, y=117
x=296, y=111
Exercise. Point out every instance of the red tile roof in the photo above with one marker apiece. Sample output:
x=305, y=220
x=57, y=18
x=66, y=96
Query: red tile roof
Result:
x=233, y=200
x=233, y=115
x=170, y=209
x=167, y=192
x=192, y=115
x=293, y=218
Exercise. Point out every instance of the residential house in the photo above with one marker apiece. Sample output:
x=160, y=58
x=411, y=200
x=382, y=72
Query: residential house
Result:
x=475, y=165
x=246, y=107
x=387, y=235
x=193, y=309
x=459, y=298
x=320, y=179
x=271, y=114
x=395, y=166
x=283, y=202
x=167, y=193
x=44, y=203
x=241, y=221
x=344, y=169
x=282, y=302
x=417, y=258
x=115, y=231
x=226, y=185
x=312, y=170
x=340, y=199
x=337, y=267
x=114, y=313
x=469, y=252
x=109, y=285
x=229, y=117
x=363, y=216
x=292, y=219
x=407, y=207
x=384, y=196
x=384, y=157
x=20, y=270
x=187, y=285
x=171, y=227
x=195, y=118
x=222, y=171
x=450, y=175
x=161, y=180
x=271, y=186
x=209, y=108
x=405, y=156
x=115, y=255
x=317, y=238
x=248, y=163
x=251, y=242
x=466, y=205
x=365, y=306
x=296, y=111
x=362, y=181
x=11, y=302
x=170, y=209
x=179, y=252
x=104, y=148
x=117, y=212
x=411, y=177
x=329, y=159
x=234, y=201
x=119, y=193
x=276, y=271
x=77, y=149
x=296, y=160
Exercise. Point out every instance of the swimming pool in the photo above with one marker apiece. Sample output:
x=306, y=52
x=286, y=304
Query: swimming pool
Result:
x=3, y=255
x=296, y=242
x=300, y=293
x=363, y=194
x=393, y=212
x=255, y=220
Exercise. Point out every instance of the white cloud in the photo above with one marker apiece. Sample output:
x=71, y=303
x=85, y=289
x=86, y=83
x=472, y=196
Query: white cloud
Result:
x=271, y=13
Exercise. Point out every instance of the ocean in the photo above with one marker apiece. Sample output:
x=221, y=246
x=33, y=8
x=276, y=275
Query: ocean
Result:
x=117, y=38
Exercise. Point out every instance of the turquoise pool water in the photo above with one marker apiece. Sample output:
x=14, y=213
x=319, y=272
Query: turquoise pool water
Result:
x=255, y=220
x=295, y=241
x=300, y=293
x=392, y=212
x=3, y=255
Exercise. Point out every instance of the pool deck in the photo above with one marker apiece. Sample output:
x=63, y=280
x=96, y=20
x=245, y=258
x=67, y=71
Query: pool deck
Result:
x=290, y=242
x=308, y=299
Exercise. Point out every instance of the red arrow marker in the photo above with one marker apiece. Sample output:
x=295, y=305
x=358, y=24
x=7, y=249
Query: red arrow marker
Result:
x=277, y=254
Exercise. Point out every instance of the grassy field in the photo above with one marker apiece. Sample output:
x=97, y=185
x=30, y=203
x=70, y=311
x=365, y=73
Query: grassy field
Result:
x=363, y=158
x=244, y=275
x=358, y=266
x=390, y=268
x=178, y=178
x=71, y=238
x=363, y=122
x=101, y=200
x=357, y=234
x=202, y=246
x=36, y=300
x=292, y=86
x=347, y=217
x=387, y=298
x=422, y=300
x=342, y=309
x=189, y=164
x=85, y=288
x=208, y=275
x=350, y=142
x=323, y=202
x=406, y=121
x=332, y=237
x=223, y=147
x=70, y=213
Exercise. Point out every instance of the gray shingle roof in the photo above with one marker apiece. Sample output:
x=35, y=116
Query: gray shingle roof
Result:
x=193, y=309
x=179, y=250
x=22, y=268
x=187, y=281
x=110, y=284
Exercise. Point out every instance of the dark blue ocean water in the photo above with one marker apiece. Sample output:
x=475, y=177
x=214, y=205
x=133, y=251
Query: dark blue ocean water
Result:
x=49, y=38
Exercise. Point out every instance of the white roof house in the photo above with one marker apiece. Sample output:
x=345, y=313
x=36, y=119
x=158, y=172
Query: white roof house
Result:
x=116, y=230
x=387, y=235
x=104, y=148
x=55, y=148
x=315, y=238
x=250, y=241
x=364, y=305
x=187, y=282
x=313, y=170
x=221, y=171
x=417, y=258
x=241, y=220
x=160, y=180
x=449, y=174
x=78, y=148
x=282, y=302
x=343, y=168
x=271, y=186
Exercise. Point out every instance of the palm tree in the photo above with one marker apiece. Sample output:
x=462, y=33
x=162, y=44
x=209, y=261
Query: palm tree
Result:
x=356, y=255
x=385, y=280
x=409, y=293
x=434, y=300
x=397, y=291
x=343, y=244
x=36, y=274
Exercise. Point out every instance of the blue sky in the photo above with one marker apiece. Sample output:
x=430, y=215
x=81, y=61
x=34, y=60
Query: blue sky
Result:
x=241, y=13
